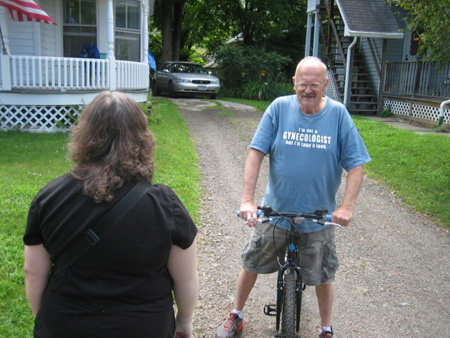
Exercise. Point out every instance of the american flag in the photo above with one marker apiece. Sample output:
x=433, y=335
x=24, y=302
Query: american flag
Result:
x=26, y=10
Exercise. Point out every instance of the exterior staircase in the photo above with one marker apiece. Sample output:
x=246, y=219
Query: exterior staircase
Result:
x=362, y=97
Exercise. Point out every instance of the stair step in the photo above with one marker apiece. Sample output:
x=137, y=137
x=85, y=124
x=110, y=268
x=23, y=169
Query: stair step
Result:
x=363, y=111
x=363, y=95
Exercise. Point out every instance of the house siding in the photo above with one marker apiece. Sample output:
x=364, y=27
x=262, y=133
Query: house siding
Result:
x=394, y=54
x=48, y=33
x=21, y=38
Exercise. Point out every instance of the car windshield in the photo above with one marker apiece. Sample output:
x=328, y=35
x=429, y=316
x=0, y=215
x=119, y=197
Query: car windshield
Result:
x=188, y=68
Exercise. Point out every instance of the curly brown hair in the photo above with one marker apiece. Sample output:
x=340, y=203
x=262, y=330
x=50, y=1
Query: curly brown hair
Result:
x=111, y=144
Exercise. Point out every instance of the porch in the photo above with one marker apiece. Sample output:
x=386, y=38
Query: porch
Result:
x=416, y=89
x=64, y=84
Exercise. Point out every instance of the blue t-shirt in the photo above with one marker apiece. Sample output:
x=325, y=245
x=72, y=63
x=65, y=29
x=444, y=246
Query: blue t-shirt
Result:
x=307, y=155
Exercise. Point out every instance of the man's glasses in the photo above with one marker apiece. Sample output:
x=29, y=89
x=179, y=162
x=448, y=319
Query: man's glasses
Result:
x=313, y=86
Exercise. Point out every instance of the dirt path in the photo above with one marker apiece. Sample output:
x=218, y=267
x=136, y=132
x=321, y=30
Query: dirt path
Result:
x=395, y=267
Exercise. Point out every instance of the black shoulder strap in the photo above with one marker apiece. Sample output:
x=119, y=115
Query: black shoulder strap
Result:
x=92, y=236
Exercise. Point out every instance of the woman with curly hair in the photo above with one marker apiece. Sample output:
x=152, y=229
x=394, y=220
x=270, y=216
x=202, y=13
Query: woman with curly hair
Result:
x=124, y=285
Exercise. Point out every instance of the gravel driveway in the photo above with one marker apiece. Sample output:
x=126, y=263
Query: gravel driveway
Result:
x=395, y=267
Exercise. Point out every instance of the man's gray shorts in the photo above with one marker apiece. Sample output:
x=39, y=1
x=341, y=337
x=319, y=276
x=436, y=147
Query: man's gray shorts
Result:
x=318, y=256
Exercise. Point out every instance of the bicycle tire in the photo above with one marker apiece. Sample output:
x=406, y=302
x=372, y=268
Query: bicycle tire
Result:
x=289, y=306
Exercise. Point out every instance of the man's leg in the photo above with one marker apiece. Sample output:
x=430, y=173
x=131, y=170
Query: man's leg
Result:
x=234, y=322
x=245, y=283
x=325, y=297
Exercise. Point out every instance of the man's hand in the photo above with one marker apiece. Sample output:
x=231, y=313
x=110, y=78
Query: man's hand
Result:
x=342, y=216
x=248, y=211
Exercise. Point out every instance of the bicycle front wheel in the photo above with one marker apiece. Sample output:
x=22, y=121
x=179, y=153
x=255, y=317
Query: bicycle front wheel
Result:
x=289, y=306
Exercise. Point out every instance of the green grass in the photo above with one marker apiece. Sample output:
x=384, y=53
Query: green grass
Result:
x=28, y=161
x=176, y=162
x=259, y=105
x=414, y=166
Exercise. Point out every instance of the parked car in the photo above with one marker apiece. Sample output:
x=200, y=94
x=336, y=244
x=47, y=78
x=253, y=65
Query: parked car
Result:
x=180, y=77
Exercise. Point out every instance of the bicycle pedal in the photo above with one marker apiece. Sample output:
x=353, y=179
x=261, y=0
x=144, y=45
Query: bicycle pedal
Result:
x=270, y=309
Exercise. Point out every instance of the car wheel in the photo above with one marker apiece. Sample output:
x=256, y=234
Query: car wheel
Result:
x=171, y=90
x=156, y=90
x=212, y=96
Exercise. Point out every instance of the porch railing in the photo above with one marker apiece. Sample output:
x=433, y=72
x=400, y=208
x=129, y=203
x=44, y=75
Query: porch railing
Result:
x=416, y=78
x=71, y=74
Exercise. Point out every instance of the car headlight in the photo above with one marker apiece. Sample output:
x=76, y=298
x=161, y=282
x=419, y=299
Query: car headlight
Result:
x=215, y=82
x=183, y=80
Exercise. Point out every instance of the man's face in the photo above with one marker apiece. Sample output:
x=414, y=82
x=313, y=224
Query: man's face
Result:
x=310, y=84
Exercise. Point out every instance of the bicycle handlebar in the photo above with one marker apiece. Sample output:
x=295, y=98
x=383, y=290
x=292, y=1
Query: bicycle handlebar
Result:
x=319, y=216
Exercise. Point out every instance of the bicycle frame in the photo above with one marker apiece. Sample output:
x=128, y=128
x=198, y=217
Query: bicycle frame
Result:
x=290, y=266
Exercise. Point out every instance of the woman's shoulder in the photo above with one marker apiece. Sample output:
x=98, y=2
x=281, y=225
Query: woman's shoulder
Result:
x=162, y=191
x=59, y=183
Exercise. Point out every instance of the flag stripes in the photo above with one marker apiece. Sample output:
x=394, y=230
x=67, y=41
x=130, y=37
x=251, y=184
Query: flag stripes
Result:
x=26, y=10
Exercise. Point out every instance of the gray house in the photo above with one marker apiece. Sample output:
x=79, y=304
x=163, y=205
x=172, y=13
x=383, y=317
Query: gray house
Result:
x=372, y=60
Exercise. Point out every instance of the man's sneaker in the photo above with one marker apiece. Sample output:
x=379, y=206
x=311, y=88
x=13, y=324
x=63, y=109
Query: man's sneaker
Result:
x=326, y=334
x=230, y=326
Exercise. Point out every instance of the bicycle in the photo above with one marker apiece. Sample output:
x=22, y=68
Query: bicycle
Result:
x=289, y=282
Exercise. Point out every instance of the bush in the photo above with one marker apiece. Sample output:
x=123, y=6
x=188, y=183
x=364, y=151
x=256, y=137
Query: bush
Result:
x=387, y=112
x=266, y=91
x=252, y=73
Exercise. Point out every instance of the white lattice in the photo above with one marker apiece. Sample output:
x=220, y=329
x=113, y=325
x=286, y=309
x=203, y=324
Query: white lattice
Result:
x=332, y=90
x=397, y=107
x=430, y=113
x=38, y=118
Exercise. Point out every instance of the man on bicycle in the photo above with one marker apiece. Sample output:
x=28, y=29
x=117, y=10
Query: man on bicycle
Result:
x=310, y=139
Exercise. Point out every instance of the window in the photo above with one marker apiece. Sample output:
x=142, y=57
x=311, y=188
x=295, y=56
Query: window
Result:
x=128, y=24
x=80, y=25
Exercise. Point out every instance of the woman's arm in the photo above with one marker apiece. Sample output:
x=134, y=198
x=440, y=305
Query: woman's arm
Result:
x=37, y=267
x=183, y=269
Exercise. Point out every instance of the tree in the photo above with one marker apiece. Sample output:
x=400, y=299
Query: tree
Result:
x=256, y=22
x=169, y=16
x=273, y=25
x=429, y=20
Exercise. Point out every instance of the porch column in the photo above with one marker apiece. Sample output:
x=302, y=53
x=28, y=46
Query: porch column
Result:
x=308, y=35
x=4, y=56
x=4, y=30
x=382, y=76
x=110, y=30
x=316, y=35
x=144, y=34
x=110, y=45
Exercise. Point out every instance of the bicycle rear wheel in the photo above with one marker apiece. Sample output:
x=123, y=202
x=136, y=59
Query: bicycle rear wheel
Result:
x=289, y=306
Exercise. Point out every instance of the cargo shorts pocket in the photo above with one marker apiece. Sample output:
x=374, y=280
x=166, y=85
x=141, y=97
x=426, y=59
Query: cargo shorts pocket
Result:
x=252, y=250
x=330, y=261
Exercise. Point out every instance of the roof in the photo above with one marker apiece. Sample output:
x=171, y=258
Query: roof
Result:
x=369, y=18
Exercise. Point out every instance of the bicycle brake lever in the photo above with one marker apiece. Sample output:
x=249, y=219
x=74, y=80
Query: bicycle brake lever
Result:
x=324, y=223
x=333, y=224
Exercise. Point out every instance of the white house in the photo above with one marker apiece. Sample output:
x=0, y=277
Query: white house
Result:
x=45, y=78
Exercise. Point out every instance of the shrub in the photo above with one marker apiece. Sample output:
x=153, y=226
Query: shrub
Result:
x=245, y=70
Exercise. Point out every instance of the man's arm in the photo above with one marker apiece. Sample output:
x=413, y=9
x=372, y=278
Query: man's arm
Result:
x=248, y=208
x=37, y=267
x=344, y=213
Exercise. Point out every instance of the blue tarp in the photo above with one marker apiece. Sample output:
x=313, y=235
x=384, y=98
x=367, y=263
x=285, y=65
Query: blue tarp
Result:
x=151, y=61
